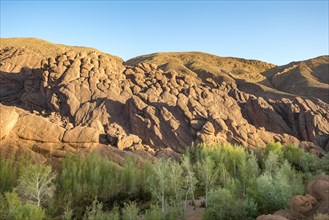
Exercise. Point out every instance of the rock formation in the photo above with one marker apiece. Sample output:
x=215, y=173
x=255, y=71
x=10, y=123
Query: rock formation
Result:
x=57, y=99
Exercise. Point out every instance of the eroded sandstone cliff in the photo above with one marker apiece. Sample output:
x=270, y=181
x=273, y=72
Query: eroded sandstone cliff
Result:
x=57, y=99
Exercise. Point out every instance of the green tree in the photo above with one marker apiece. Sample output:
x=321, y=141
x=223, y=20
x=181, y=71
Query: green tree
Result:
x=190, y=180
x=248, y=170
x=176, y=184
x=158, y=182
x=194, y=152
x=208, y=175
x=36, y=183
x=271, y=163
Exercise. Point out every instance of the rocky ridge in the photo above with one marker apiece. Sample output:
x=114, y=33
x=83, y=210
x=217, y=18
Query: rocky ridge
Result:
x=57, y=99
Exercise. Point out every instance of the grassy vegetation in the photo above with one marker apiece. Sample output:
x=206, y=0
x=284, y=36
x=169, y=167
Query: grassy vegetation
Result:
x=235, y=183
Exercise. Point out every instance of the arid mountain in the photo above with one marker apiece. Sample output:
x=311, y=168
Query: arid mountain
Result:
x=308, y=78
x=57, y=99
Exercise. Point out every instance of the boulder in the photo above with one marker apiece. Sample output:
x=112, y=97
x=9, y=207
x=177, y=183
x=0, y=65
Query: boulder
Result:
x=80, y=134
x=302, y=206
x=37, y=128
x=128, y=141
x=319, y=188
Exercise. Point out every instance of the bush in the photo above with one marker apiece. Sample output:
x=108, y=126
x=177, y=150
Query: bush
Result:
x=130, y=211
x=173, y=212
x=95, y=212
x=225, y=205
x=262, y=180
x=67, y=215
x=274, y=147
x=154, y=213
x=9, y=175
x=13, y=208
x=81, y=180
x=273, y=193
x=129, y=175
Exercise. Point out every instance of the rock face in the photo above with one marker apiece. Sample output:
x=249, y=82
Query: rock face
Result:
x=314, y=202
x=56, y=100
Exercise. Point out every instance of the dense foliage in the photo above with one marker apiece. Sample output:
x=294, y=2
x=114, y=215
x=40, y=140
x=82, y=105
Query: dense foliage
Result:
x=234, y=182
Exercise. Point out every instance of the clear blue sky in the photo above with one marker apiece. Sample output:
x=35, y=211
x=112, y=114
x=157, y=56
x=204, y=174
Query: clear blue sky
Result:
x=274, y=31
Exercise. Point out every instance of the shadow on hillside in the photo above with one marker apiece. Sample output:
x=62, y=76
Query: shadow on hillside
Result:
x=23, y=89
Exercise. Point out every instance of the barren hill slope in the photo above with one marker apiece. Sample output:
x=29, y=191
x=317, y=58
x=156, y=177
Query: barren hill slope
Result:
x=308, y=78
x=57, y=99
x=202, y=64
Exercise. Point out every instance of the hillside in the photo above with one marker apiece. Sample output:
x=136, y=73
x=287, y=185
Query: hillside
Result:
x=308, y=78
x=57, y=99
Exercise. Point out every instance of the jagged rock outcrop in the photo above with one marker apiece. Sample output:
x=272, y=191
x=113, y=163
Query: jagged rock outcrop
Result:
x=57, y=100
x=306, y=207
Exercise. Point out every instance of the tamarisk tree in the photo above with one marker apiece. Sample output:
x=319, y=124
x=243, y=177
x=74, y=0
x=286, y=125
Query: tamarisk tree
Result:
x=36, y=183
